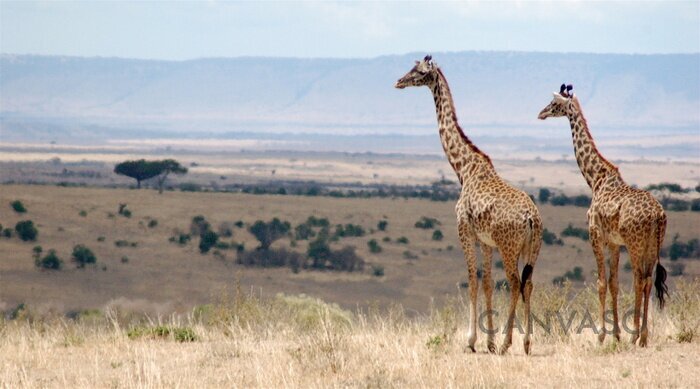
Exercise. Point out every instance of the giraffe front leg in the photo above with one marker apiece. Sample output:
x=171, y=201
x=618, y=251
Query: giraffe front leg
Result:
x=613, y=285
x=597, y=243
x=468, y=240
x=510, y=264
x=487, y=284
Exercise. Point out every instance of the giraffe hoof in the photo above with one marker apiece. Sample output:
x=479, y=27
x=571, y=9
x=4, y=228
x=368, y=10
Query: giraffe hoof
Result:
x=492, y=347
x=526, y=345
x=504, y=349
x=601, y=337
x=643, y=341
x=616, y=334
x=634, y=338
x=470, y=348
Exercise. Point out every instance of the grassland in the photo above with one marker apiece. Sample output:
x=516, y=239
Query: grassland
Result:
x=163, y=277
x=298, y=341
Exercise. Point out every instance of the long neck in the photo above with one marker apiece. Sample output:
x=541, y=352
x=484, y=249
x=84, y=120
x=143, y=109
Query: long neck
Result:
x=594, y=167
x=466, y=159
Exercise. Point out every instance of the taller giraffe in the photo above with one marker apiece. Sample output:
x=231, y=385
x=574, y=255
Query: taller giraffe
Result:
x=489, y=211
x=618, y=215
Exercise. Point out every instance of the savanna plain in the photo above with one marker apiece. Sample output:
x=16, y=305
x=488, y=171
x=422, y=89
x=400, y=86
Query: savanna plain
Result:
x=156, y=310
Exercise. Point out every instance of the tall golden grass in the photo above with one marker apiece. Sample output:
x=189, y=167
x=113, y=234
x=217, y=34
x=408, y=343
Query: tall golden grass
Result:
x=241, y=340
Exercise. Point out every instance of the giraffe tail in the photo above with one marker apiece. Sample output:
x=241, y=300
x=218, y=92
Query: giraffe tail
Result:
x=530, y=251
x=660, y=279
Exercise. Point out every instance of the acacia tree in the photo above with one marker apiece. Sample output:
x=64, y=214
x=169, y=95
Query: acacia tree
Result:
x=143, y=170
x=267, y=233
x=166, y=167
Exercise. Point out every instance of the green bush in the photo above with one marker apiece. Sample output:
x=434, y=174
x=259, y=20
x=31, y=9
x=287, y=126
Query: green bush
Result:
x=374, y=247
x=123, y=210
x=409, y=255
x=695, y=205
x=82, y=213
x=304, y=231
x=576, y=232
x=349, y=230
x=50, y=262
x=26, y=230
x=207, y=240
x=381, y=226
x=673, y=188
x=18, y=206
x=272, y=258
x=550, y=238
x=121, y=243
x=346, y=259
x=679, y=249
x=180, y=239
x=543, y=195
x=199, y=225
x=268, y=233
x=560, y=200
x=427, y=223
x=378, y=270
x=153, y=223
x=190, y=187
x=402, y=240
x=7, y=233
x=179, y=334
x=576, y=274
x=36, y=252
x=319, y=251
x=83, y=256
x=437, y=235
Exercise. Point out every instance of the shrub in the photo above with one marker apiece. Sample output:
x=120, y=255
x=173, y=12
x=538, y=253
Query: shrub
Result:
x=502, y=284
x=83, y=255
x=199, y=225
x=576, y=274
x=349, y=230
x=82, y=213
x=673, y=188
x=381, y=226
x=386, y=239
x=543, y=195
x=582, y=201
x=7, y=233
x=239, y=224
x=123, y=210
x=437, y=235
x=319, y=251
x=346, y=259
x=272, y=258
x=125, y=259
x=18, y=206
x=26, y=230
x=378, y=270
x=304, y=231
x=317, y=222
x=695, y=205
x=576, y=232
x=180, y=239
x=678, y=249
x=550, y=238
x=409, y=255
x=675, y=205
x=402, y=240
x=268, y=233
x=560, y=200
x=207, y=240
x=499, y=264
x=36, y=252
x=121, y=243
x=50, y=262
x=179, y=334
x=226, y=229
x=676, y=269
x=427, y=223
x=374, y=247
x=153, y=223
x=190, y=187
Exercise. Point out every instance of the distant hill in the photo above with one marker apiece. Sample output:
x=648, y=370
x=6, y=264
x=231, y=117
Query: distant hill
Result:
x=348, y=96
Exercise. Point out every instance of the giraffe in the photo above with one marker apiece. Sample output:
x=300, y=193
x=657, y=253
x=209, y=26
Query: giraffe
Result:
x=489, y=211
x=619, y=215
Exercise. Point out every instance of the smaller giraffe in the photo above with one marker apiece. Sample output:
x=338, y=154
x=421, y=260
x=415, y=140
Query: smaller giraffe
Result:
x=619, y=215
x=489, y=211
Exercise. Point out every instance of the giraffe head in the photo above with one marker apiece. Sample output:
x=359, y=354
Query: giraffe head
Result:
x=560, y=103
x=421, y=74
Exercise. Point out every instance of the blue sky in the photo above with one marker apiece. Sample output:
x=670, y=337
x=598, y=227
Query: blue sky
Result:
x=185, y=30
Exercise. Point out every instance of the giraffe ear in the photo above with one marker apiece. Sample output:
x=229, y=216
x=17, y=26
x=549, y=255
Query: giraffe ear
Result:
x=558, y=97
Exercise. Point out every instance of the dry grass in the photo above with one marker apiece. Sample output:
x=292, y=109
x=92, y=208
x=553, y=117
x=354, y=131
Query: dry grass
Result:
x=298, y=341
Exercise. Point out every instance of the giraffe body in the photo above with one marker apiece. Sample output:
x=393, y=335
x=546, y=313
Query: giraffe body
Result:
x=619, y=215
x=489, y=211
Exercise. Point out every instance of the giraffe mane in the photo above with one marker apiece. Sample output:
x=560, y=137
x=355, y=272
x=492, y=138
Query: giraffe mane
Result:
x=464, y=137
x=609, y=164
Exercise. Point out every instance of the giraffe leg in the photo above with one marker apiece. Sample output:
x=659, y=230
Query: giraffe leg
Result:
x=487, y=285
x=613, y=285
x=468, y=240
x=528, y=331
x=635, y=258
x=647, y=292
x=597, y=243
x=510, y=264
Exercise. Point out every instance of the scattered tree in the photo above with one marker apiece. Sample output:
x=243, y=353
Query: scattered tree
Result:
x=26, y=230
x=268, y=233
x=18, y=206
x=83, y=256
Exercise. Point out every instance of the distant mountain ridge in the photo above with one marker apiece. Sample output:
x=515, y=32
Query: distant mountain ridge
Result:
x=491, y=89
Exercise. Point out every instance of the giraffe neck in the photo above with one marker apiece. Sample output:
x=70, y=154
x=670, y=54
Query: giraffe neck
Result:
x=595, y=168
x=466, y=159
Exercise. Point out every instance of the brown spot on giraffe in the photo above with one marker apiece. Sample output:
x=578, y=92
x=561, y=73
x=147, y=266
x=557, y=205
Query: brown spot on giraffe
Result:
x=619, y=215
x=489, y=211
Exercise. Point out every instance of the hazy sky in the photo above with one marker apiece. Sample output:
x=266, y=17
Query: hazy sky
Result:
x=184, y=30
